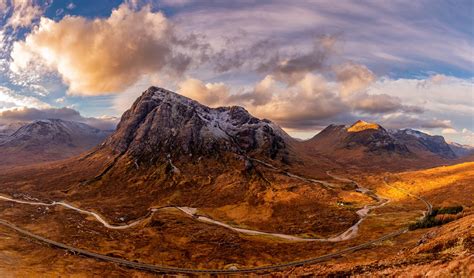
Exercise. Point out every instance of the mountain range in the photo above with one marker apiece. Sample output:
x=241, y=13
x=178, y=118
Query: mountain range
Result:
x=169, y=149
x=46, y=140
x=178, y=183
x=162, y=125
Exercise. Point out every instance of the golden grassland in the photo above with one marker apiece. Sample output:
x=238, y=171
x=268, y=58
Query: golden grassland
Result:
x=173, y=239
x=443, y=186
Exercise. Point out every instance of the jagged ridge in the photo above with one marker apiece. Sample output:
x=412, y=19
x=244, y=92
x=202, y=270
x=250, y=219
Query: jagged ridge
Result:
x=162, y=123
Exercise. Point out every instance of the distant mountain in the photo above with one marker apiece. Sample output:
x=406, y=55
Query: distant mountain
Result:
x=8, y=129
x=419, y=142
x=369, y=144
x=361, y=136
x=48, y=140
x=461, y=150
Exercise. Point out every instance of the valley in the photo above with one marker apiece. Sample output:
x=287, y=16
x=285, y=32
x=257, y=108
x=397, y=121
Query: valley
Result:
x=181, y=138
x=183, y=188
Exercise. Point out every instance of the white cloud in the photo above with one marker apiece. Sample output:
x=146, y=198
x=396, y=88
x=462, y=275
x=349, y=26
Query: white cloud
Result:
x=353, y=78
x=103, y=56
x=10, y=99
x=449, y=131
x=70, y=6
x=24, y=13
x=446, y=98
x=211, y=94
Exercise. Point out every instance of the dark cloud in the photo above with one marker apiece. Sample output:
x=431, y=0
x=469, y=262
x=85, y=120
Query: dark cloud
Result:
x=235, y=57
x=68, y=114
x=267, y=57
x=381, y=104
x=293, y=68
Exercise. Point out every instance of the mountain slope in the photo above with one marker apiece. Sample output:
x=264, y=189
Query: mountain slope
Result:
x=419, y=142
x=48, y=140
x=461, y=150
x=370, y=145
x=8, y=129
x=367, y=137
x=162, y=123
x=169, y=150
x=361, y=144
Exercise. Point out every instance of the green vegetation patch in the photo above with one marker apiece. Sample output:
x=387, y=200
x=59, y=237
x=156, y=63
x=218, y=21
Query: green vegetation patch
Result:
x=438, y=217
x=447, y=210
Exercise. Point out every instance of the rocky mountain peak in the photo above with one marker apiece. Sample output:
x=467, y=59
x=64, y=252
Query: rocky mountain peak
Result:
x=48, y=140
x=163, y=123
x=417, y=139
x=54, y=130
x=363, y=125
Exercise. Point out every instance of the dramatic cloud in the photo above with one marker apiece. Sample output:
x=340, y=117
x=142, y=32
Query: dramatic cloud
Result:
x=379, y=104
x=353, y=78
x=304, y=65
x=211, y=94
x=468, y=136
x=68, y=114
x=260, y=95
x=307, y=104
x=103, y=55
x=293, y=69
x=449, y=131
x=440, y=97
x=311, y=102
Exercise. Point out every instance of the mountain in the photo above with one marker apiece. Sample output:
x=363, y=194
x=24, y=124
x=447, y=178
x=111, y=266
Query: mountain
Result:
x=419, y=142
x=169, y=150
x=162, y=124
x=360, y=144
x=370, y=145
x=368, y=137
x=8, y=129
x=167, y=184
x=48, y=140
x=461, y=150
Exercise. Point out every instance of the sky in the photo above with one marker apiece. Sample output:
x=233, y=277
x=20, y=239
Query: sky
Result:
x=301, y=64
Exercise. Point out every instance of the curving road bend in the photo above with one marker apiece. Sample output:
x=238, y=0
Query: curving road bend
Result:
x=66, y=205
x=350, y=233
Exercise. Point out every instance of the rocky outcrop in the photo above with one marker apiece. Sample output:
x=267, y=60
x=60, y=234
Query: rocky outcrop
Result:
x=461, y=150
x=374, y=138
x=417, y=140
x=163, y=124
x=371, y=137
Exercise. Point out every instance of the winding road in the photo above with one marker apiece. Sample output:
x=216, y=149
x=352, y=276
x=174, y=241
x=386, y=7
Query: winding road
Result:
x=348, y=234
